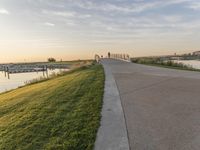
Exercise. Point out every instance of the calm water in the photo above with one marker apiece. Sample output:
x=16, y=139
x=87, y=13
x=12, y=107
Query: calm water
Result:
x=193, y=63
x=19, y=79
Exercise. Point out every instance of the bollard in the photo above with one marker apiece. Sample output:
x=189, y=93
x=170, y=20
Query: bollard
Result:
x=47, y=71
x=8, y=73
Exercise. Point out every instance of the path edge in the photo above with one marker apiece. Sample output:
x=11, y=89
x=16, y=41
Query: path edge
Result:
x=112, y=133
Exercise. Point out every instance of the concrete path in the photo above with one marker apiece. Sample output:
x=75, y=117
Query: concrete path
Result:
x=161, y=106
x=112, y=134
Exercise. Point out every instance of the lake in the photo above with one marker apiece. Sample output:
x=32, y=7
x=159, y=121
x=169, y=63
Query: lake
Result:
x=193, y=63
x=19, y=79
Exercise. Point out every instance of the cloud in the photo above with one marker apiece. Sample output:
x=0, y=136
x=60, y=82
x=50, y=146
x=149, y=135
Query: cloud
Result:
x=4, y=11
x=134, y=7
x=59, y=13
x=49, y=24
x=70, y=23
x=67, y=14
x=195, y=6
x=173, y=18
x=131, y=7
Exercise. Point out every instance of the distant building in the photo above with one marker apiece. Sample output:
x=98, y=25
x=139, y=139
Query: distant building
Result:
x=196, y=53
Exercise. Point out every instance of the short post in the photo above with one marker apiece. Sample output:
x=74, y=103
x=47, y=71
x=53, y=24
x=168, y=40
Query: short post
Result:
x=43, y=71
x=46, y=71
x=8, y=73
x=5, y=70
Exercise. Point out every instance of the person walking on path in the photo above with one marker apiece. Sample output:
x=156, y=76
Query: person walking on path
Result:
x=108, y=54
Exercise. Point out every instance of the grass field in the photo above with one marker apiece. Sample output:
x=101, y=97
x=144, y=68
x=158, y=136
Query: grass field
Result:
x=62, y=113
x=159, y=63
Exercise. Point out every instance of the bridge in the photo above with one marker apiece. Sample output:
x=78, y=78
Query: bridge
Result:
x=149, y=108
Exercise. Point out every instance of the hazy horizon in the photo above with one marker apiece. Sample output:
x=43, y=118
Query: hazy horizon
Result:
x=33, y=30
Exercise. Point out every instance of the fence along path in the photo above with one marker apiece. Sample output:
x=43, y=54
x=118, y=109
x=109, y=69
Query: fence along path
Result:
x=124, y=57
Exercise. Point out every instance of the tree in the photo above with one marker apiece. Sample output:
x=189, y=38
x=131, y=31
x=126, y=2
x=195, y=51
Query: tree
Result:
x=51, y=59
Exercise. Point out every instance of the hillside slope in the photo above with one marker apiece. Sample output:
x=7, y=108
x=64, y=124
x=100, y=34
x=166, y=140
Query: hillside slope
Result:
x=61, y=113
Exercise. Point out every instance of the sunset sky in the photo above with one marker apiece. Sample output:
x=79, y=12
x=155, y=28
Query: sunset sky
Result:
x=33, y=30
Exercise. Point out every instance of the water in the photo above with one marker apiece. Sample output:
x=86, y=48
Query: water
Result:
x=19, y=79
x=193, y=63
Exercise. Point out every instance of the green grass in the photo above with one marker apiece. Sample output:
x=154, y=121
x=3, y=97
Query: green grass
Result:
x=157, y=62
x=62, y=113
x=174, y=67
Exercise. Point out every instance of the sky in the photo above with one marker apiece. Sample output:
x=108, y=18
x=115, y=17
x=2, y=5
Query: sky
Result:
x=33, y=30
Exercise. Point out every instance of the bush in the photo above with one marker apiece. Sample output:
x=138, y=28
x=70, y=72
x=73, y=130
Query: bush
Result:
x=160, y=62
x=51, y=59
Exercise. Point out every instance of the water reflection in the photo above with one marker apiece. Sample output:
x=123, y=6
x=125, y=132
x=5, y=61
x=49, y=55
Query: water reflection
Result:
x=19, y=79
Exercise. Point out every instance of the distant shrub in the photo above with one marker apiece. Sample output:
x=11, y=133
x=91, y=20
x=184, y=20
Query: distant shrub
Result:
x=145, y=60
x=159, y=61
x=51, y=59
x=41, y=79
x=36, y=80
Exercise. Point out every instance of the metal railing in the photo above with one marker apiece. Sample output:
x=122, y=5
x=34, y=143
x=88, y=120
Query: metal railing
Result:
x=124, y=57
x=97, y=58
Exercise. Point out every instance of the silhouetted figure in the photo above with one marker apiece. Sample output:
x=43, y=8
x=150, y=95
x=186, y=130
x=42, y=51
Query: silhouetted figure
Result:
x=108, y=54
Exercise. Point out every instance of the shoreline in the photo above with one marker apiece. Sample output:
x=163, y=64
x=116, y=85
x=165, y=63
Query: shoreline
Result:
x=170, y=64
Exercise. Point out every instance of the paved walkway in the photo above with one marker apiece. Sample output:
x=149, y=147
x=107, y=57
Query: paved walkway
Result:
x=161, y=107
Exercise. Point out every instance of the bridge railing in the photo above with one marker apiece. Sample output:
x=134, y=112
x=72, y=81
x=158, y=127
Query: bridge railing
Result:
x=124, y=57
x=97, y=58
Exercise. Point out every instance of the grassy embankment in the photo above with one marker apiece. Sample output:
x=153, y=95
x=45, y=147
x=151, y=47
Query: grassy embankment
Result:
x=61, y=113
x=160, y=63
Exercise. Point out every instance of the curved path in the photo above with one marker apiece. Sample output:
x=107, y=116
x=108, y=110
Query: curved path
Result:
x=161, y=108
